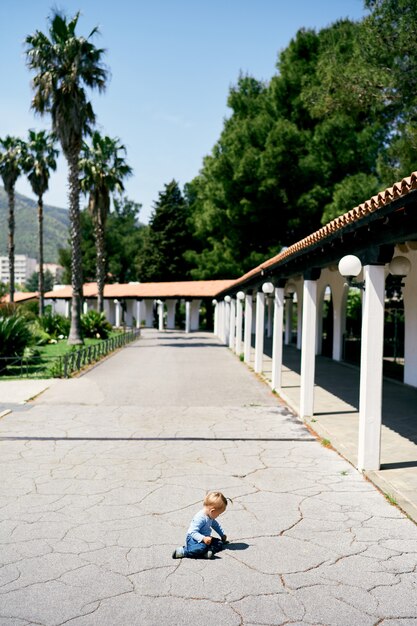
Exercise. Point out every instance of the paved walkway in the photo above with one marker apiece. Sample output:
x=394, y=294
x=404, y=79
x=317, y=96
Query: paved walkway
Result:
x=101, y=475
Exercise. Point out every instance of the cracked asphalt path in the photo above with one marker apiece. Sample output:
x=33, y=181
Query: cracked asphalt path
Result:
x=101, y=474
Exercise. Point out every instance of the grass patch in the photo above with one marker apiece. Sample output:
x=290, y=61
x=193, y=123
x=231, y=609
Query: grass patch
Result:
x=43, y=361
x=390, y=499
x=53, y=350
x=326, y=443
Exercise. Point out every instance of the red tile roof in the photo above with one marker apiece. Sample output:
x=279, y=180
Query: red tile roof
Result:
x=89, y=291
x=211, y=288
x=398, y=190
x=21, y=296
x=181, y=289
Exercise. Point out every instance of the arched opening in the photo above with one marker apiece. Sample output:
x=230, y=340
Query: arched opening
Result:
x=290, y=314
x=327, y=323
x=352, y=336
x=393, y=329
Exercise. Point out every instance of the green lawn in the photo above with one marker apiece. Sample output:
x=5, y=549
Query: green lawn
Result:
x=52, y=350
x=45, y=361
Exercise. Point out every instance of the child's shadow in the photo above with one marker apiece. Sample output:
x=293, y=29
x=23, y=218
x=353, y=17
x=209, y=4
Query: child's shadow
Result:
x=236, y=546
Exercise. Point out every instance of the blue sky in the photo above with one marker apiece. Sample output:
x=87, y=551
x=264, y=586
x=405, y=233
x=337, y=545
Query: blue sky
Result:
x=172, y=64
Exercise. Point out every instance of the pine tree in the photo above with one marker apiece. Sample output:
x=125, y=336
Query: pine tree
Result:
x=167, y=238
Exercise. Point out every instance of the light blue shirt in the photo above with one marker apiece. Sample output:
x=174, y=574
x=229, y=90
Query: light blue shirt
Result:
x=201, y=526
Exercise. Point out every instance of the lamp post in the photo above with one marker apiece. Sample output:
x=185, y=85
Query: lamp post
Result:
x=350, y=267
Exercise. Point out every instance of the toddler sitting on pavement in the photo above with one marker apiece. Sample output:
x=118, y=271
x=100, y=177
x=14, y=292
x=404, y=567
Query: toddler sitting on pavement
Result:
x=199, y=543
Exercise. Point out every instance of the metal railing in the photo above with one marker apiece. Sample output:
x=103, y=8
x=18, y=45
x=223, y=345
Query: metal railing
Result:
x=63, y=366
x=76, y=360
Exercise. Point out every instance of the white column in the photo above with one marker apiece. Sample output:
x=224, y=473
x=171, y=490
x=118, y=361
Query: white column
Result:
x=67, y=308
x=232, y=324
x=222, y=321
x=339, y=320
x=370, y=394
x=171, y=305
x=299, y=321
x=260, y=331
x=85, y=307
x=227, y=320
x=215, y=318
x=288, y=318
x=138, y=313
x=277, y=338
x=248, y=328
x=160, y=315
x=410, y=339
x=410, y=323
x=269, y=303
x=308, y=347
x=117, y=313
x=239, y=322
x=219, y=309
x=218, y=319
x=187, y=316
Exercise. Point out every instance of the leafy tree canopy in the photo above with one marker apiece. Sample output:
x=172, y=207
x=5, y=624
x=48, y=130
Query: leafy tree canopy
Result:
x=287, y=156
x=123, y=241
x=166, y=239
x=32, y=284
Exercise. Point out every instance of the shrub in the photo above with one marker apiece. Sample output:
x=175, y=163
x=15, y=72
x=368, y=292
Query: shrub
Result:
x=40, y=337
x=55, y=325
x=15, y=335
x=94, y=324
x=7, y=309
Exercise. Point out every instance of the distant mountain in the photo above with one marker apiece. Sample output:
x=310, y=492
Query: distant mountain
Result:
x=55, y=228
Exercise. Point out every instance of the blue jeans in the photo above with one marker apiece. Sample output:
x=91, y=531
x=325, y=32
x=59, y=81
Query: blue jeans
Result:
x=195, y=549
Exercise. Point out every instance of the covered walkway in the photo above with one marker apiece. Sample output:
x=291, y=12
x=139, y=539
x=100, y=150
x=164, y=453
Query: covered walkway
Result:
x=336, y=418
x=102, y=473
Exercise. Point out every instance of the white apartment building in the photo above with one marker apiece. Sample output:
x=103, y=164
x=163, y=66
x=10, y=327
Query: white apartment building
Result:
x=24, y=267
x=55, y=269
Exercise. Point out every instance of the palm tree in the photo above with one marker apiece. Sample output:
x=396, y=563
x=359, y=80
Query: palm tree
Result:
x=103, y=170
x=39, y=160
x=65, y=64
x=11, y=157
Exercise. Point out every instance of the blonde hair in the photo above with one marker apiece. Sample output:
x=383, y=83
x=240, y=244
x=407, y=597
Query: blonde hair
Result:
x=216, y=499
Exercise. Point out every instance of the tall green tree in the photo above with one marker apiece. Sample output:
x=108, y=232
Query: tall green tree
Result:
x=373, y=76
x=167, y=238
x=287, y=156
x=228, y=208
x=103, y=167
x=40, y=159
x=391, y=34
x=32, y=284
x=64, y=64
x=12, y=152
x=123, y=241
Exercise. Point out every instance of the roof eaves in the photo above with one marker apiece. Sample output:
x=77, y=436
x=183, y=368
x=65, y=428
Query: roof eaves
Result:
x=349, y=220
